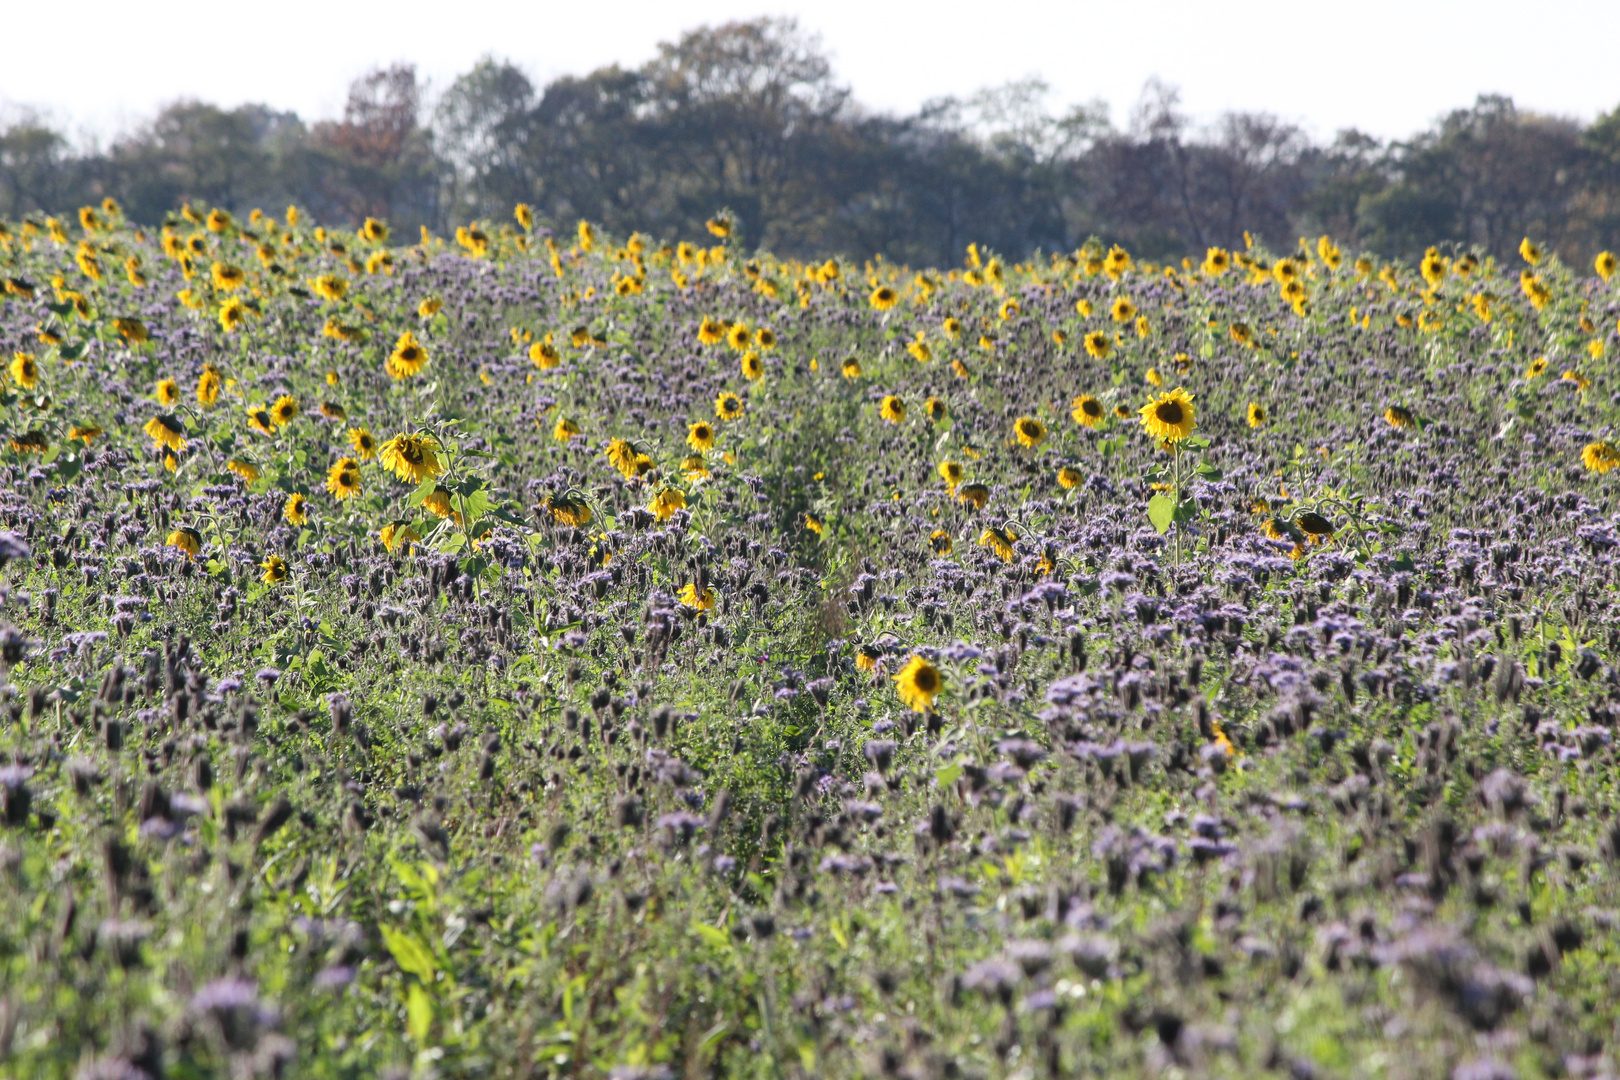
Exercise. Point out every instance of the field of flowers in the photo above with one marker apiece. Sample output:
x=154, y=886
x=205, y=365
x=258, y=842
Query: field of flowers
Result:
x=531, y=654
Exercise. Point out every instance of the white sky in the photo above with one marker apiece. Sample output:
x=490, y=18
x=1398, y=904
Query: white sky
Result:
x=1390, y=67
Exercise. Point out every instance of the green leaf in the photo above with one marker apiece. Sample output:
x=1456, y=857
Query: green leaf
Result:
x=1161, y=511
x=947, y=775
x=419, y=1013
x=410, y=954
x=712, y=935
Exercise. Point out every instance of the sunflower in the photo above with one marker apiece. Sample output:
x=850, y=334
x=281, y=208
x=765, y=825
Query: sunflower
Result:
x=939, y=541
x=297, y=509
x=429, y=307
x=333, y=411
x=133, y=331
x=690, y=597
x=728, y=406
x=1314, y=524
x=1123, y=310
x=753, y=369
x=342, y=331
x=1087, y=411
x=666, y=502
x=568, y=509
x=1399, y=417
x=812, y=524
x=694, y=467
x=1217, y=262
x=739, y=336
x=1241, y=333
x=852, y=369
x=374, y=230
x=1582, y=383
x=1169, y=417
x=248, y=471
x=364, y=443
x=408, y=357
x=438, y=504
x=1280, y=529
x=720, y=225
x=227, y=278
x=330, y=287
x=918, y=683
x=1098, y=345
x=564, y=429
x=1605, y=264
x=935, y=409
x=711, y=332
x=167, y=393
x=1257, y=414
x=25, y=370
x=232, y=314
x=209, y=384
x=544, y=355
x=952, y=328
x=343, y=479
x=275, y=570
x=977, y=494
x=1153, y=377
x=1000, y=541
x=765, y=338
x=1029, y=431
x=1083, y=308
x=34, y=442
x=627, y=458
x=187, y=540
x=700, y=436
x=892, y=409
x=411, y=458
x=1531, y=253
x=951, y=472
x=1069, y=477
x=166, y=430
x=883, y=298
x=867, y=656
x=85, y=433
x=284, y=411
x=1600, y=457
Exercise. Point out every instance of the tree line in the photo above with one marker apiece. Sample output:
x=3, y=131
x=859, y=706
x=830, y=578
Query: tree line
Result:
x=749, y=117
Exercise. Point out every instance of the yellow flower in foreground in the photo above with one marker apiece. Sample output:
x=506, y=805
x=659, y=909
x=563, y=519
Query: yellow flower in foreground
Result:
x=918, y=683
x=1600, y=457
x=1029, y=431
x=666, y=502
x=187, y=540
x=1087, y=411
x=892, y=409
x=1098, y=345
x=411, y=458
x=209, y=384
x=167, y=431
x=1069, y=477
x=297, y=509
x=275, y=570
x=700, y=436
x=284, y=411
x=25, y=370
x=1169, y=417
x=343, y=479
x=1605, y=264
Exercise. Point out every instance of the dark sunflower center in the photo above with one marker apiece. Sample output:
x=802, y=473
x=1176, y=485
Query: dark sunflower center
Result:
x=1169, y=412
x=925, y=681
x=1091, y=408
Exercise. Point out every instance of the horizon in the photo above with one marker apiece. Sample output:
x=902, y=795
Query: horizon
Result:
x=1209, y=80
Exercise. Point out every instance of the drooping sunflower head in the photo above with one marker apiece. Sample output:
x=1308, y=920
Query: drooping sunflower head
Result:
x=852, y=369
x=1070, y=477
x=1029, y=431
x=1530, y=252
x=666, y=502
x=1001, y=541
x=977, y=494
x=209, y=385
x=1169, y=417
x=1087, y=411
x=166, y=430
x=187, y=539
x=411, y=458
x=1399, y=417
x=1600, y=457
x=939, y=541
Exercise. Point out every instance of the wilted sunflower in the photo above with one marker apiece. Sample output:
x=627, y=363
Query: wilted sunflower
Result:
x=569, y=508
x=1399, y=417
x=1000, y=541
x=187, y=540
x=166, y=430
x=690, y=597
x=85, y=433
x=627, y=458
x=35, y=442
x=1169, y=417
x=1087, y=411
x=284, y=411
x=694, y=467
x=918, y=683
x=248, y=471
x=1314, y=524
x=133, y=331
x=883, y=298
x=209, y=385
x=940, y=541
x=297, y=509
x=1098, y=345
x=935, y=409
x=666, y=502
x=852, y=369
x=1029, y=431
x=700, y=436
x=333, y=411
x=892, y=409
x=564, y=430
x=411, y=458
x=1153, y=377
x=1600, y=457
x=544, y=355
x=25, y=370
x=343, y=479
x=728, y=406
x=438, y=504
x=275, y=570
x=977, y=494
x=1257, y=414
x=167, y=393
x=812, y=523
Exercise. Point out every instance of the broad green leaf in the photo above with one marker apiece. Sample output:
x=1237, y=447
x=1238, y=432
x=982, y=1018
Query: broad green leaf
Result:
x=1161, y=511
x=418, y=1013
x=409, y=953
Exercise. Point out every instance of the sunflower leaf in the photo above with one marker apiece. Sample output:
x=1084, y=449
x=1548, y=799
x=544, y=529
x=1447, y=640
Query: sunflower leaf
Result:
x=1161, y=511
